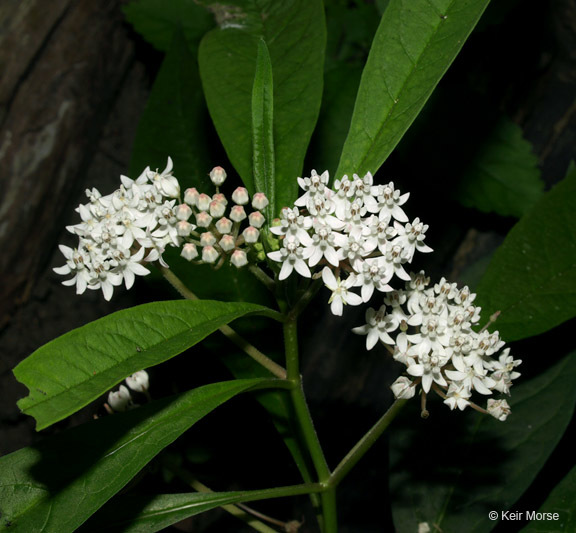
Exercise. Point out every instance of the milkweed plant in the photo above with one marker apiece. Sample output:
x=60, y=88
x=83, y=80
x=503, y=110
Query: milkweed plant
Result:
x=334, y=239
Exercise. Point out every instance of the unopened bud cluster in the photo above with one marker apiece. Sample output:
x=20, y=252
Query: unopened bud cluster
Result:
x=222, y=230
x=121, y=400
x=136, y=223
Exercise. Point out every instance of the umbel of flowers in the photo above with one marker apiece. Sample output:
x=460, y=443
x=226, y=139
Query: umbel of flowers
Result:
x=135, y=224
x=360, y=236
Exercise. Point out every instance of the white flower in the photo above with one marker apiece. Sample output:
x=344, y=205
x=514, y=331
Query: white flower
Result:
x=138, y=381
x=291, y=258
x=340, y=293
x=120, y=400
x=457, y=396
x=378, y=325
x=499, y=409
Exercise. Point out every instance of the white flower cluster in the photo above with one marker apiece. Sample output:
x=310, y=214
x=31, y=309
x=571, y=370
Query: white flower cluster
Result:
x=121, y=400
x=434, y=338
x=356, y=229
x=136, y=223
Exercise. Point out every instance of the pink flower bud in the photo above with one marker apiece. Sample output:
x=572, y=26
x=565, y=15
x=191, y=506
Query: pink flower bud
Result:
x=207, y=239
x=240, y=196
x=237, y=213
x=217, y=209
x=203, y=202
x=259, y=201
x=239, y=258
x=251, y=235
x=218, y=176
x=256, y=219
x=209, y=254
x=219, y=197
x=224, y=225
x=203, y=220
x=191, y=196
x=227, y=243
x=189, y=251
x=183, y=212
x=184, y=228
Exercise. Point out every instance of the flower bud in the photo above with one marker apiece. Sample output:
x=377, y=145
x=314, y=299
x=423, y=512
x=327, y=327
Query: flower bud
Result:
x=239, y=258
x=218, y=176
x=237, y=213
x=203, y=202
x=184, y=228
x=203, y=220
x=120, y=400
x=402, y=388
x=240, y=196
x=219, y=197
x=227, y=243
x=217, y=209
x=207, y=239
x=183, y=212
x=256, y=219
x=224, y=225
x=209, y=254
x=259, y=201
x=251, y=235
x=191, y=196
x=189, y=251
x=138, y=381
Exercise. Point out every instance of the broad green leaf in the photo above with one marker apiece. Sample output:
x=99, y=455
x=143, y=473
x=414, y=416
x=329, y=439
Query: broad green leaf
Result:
x=532, y=276
x=262, y=128
x=71, y=371
x=59, y=484
x=295, y=33
x=416, y=42
x=503, y=177
x=174, y=121
x=137, y=514
x=562, y=500
x=158, y=20
x=464, y=472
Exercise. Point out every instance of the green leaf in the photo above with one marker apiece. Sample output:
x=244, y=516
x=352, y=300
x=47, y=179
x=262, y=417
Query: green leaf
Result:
x=71, y=371
x=295, y=33
x=532, y=276
x=416, y=42
x=503, y=177
x=59, y=484
x=562, y=500
x=262, y=128
x=173, y=122
x=157, y=21
x=462, y=474
x=135, y=514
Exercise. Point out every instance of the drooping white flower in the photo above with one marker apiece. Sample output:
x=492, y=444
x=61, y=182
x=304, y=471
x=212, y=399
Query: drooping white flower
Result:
x=120, y=400
x=139, y=381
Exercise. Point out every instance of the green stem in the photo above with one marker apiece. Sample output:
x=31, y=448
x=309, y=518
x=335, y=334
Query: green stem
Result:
x=365, y=443
x=304, y=420
x=238, y=340
x=262, y=277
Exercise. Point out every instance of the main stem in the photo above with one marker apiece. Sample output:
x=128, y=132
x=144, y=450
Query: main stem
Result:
x=328, y=495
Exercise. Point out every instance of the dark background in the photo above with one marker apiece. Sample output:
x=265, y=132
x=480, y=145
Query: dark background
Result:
x=75, y=79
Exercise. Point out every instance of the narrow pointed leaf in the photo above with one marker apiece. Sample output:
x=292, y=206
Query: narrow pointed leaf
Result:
x=262, y=128
x=486, y=465
x=174, y=121
x=59, y=484
x=503, y=177
x=71, y=371
x=157, y=20
x=134, y=514
x=562, y=503
x=416, y=42
x=531, y=278
x=295, y=33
